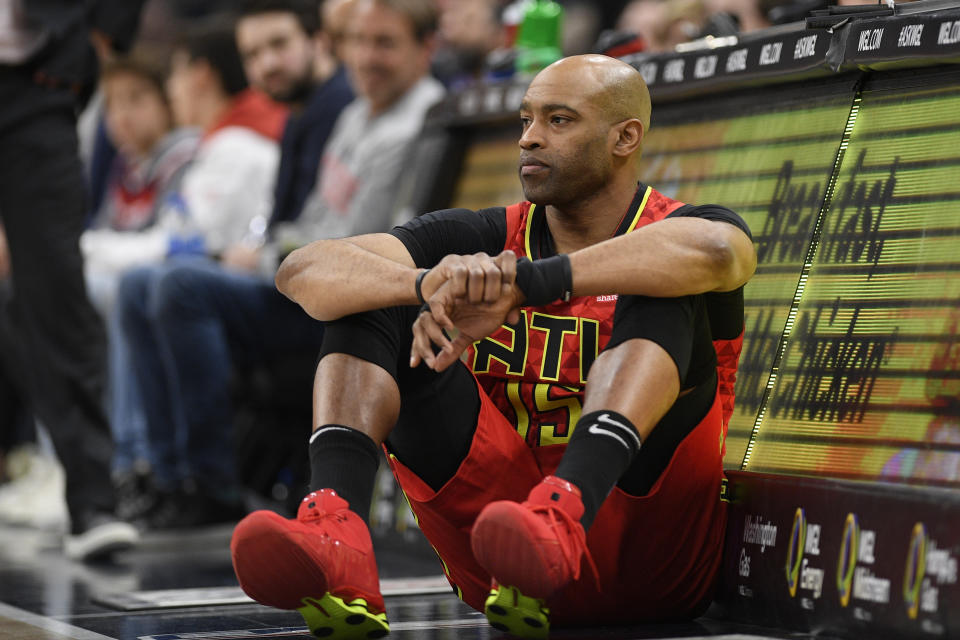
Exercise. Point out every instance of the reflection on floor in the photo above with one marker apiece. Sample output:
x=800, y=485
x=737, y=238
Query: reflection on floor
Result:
x=44, y=596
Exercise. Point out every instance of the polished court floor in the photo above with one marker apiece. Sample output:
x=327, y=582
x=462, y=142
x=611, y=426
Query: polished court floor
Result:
x=182, y=586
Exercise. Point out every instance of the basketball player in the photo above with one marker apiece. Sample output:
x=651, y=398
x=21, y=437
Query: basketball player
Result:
x=563, y=452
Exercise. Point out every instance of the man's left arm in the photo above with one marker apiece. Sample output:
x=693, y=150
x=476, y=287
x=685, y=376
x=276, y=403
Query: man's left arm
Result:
x=709, y=249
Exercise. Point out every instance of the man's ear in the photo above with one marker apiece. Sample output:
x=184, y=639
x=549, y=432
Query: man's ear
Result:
x=629, y=137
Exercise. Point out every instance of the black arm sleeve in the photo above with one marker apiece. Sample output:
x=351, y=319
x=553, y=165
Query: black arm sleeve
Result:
x=725, y=309
x=712, y=212
x=434, y=235
x=679, y=325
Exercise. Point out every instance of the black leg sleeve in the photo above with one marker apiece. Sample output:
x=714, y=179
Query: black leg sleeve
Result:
x=438, y=411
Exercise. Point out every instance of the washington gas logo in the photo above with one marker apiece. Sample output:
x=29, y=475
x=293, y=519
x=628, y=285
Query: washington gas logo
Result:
x=928, y=570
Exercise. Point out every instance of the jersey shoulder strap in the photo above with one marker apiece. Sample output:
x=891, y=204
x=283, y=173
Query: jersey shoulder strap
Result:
x=649, y=205
x=655, y=206
x=516, y=226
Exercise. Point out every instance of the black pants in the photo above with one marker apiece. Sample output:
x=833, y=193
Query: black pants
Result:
x=51, y=338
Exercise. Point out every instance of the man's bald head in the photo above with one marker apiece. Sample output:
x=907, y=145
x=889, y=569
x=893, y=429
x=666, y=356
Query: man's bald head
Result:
x=583, y=121
x=615, y=87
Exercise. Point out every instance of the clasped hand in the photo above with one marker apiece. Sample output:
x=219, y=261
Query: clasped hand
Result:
x=470, y=296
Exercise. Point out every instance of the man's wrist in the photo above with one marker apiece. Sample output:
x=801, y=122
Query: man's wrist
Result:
x=545, y=281
x=418, y=286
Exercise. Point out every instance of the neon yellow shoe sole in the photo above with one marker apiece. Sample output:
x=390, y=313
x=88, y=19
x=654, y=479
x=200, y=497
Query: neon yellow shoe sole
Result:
x=510, y=611
x=331, y=617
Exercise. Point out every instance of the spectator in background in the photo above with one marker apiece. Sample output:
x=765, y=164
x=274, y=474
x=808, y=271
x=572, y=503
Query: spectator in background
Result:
x=150, y=153
x=140, y=126
x=469, y=31
x=226, y=187
x=234, y=165
x=747, y=14
x=644, y=18
x=335, y=16
x=390, y=45
x=211, y=320
x=663, y=25
x=288, y=56
x=49, y=333
x=200, y=314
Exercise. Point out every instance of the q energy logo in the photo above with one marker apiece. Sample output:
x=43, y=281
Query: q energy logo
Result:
x=798, y=535
x=804, y=543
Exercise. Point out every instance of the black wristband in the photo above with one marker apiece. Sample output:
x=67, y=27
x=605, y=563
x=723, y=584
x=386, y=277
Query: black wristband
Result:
x=417, y=286
x=545, y=281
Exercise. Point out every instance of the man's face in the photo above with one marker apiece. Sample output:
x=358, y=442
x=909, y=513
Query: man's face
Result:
x=385, y=58
x=277, y=55
x=135, y=113
x=564, y=150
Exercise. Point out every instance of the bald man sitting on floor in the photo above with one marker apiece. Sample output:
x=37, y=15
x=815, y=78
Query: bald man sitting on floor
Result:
x=544, y=378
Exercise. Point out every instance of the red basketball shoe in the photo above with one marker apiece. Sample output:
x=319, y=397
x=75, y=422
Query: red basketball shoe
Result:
x=532, y=550
x=320, y=564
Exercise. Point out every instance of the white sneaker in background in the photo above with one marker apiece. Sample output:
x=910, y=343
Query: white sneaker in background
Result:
x=35, y=497
x=100, y=536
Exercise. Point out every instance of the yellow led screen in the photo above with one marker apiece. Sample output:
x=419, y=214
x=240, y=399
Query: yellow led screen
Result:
x=771, y=166
x=869, y=384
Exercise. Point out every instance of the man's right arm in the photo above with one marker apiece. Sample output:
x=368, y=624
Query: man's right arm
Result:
x=334, y=278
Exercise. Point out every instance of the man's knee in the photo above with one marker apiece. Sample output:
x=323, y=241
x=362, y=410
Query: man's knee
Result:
x=133, y=293
x=182, y=292
x=381, y=337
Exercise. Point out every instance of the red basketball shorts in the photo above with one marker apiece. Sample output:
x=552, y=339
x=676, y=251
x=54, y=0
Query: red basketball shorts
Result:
x=658, y=555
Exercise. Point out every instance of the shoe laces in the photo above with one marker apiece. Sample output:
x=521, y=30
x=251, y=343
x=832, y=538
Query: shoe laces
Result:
x=569, y=544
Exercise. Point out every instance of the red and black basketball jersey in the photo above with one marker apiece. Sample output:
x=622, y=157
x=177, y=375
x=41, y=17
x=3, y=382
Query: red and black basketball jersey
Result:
x=535, y=371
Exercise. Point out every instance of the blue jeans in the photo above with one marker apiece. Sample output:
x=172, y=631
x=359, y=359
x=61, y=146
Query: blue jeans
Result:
x=127, y=421
x=187, y=324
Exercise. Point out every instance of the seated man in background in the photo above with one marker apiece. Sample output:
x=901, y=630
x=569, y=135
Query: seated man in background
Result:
x=585, y=426
x=225, y=188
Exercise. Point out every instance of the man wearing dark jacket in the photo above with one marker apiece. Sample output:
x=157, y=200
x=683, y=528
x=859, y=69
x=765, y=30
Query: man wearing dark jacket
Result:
x=50, y=335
